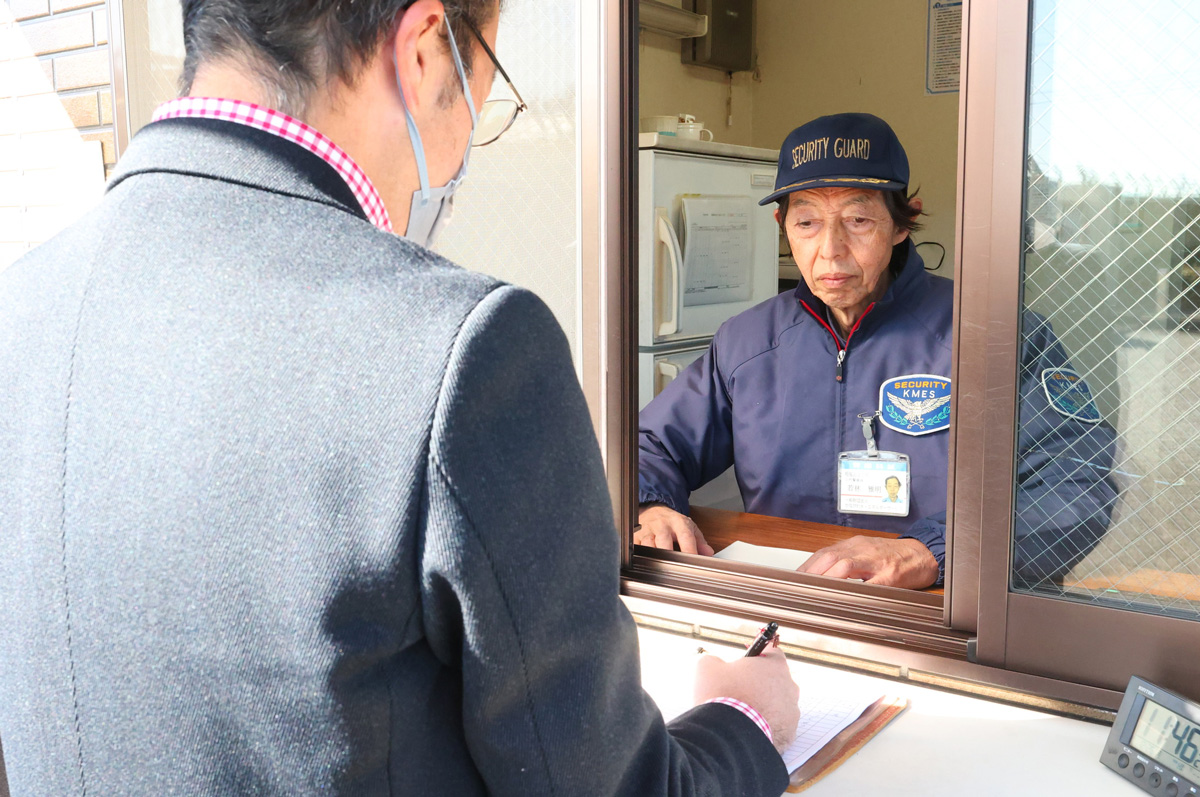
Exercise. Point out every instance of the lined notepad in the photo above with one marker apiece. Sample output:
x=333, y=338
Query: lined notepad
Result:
x=822, y=717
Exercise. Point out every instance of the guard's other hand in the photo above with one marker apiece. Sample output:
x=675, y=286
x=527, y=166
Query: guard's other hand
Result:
x=764, y=682
x=663, y=527
x=876, y=560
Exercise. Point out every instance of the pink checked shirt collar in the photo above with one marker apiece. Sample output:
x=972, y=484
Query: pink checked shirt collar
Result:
x=284, y=126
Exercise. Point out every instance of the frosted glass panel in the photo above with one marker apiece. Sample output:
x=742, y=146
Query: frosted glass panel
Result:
x=516, y=216
x=153, y=54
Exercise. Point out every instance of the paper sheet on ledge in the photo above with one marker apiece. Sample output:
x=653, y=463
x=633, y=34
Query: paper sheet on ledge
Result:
x=787, y=558
x=823, y=717
x=765, y=555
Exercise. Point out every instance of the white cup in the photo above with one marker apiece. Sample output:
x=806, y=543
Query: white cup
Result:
x=693, y=131
x=660, y=124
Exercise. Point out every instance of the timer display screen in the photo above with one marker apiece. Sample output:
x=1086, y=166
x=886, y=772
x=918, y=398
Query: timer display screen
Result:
x=1171, y=739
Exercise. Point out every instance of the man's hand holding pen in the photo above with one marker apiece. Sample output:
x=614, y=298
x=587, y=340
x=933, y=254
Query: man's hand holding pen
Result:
x=762, y=681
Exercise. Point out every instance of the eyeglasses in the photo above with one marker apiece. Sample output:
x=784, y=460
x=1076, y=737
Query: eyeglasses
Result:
x=496, y=116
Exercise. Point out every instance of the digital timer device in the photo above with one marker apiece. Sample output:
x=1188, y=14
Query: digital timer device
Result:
x=1155, y=741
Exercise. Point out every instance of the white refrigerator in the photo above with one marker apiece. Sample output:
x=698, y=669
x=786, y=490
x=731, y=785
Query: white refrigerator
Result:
x=707, y=251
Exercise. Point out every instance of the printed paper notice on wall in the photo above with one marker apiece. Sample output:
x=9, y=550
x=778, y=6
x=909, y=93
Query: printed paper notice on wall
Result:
x=718, y=249
x=943, y=46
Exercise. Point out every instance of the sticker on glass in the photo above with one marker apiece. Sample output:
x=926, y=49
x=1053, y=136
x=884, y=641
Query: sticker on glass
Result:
x=1069, y=395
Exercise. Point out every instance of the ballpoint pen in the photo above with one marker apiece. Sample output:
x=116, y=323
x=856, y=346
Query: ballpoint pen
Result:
x=763, y=639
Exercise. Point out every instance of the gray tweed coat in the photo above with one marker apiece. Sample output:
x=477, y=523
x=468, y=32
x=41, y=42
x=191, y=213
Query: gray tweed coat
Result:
x=292, y=506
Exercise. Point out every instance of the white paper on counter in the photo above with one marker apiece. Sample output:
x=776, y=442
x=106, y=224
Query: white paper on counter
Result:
x=786, y=558
x=765, y=555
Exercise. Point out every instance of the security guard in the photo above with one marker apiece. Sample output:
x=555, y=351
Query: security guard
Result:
x=821, y=397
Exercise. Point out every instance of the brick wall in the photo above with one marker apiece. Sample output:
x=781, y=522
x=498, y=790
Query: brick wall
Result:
x=57, y=143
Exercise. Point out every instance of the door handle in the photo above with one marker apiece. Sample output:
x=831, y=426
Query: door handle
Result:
x=666, y=373
x=664, y=235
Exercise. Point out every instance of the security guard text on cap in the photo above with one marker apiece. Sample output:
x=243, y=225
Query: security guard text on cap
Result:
x=856, y=150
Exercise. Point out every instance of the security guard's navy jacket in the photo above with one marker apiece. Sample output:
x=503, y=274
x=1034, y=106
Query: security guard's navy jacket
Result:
x=770, y=396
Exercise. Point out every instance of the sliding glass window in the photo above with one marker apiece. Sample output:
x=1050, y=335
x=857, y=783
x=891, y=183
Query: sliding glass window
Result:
x=1111, y=249
x=1103, y=555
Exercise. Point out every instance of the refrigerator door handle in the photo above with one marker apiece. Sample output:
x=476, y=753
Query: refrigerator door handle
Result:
x=667, y=372
x=665, y=237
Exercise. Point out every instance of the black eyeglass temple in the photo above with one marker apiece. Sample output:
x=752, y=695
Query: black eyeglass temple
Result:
x=495, y=60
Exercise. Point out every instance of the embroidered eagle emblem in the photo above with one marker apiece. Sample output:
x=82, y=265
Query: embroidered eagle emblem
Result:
x=915, y=411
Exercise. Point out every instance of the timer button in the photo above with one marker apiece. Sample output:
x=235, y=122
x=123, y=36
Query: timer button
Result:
x=1138, y=770
x=1122, y=760
x=1155, y=779
x=1172, y=790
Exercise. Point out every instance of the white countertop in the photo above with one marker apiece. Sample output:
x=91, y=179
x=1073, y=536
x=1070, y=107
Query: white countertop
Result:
x=942, y=744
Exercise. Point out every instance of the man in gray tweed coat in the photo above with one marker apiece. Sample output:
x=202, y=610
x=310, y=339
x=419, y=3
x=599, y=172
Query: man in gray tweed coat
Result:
x=291, y=505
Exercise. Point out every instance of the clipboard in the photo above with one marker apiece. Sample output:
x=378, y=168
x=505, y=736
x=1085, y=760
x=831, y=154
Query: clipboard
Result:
x=847, y=743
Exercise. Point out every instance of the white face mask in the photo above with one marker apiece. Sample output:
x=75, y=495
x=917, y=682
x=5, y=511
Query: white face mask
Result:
x=432, y=207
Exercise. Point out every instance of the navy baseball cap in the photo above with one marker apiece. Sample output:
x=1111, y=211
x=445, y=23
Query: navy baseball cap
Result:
x=856, y=150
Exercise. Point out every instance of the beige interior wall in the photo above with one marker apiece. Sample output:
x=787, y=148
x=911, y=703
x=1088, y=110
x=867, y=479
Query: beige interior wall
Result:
x=817, y=57
x=667, y=87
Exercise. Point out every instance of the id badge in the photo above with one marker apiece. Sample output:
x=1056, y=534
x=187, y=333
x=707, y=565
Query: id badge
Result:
x=873, y=483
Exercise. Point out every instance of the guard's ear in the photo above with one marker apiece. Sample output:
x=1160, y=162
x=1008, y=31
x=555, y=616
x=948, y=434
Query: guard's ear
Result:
x=779, y=219
x=902, y=234
x=415, y=47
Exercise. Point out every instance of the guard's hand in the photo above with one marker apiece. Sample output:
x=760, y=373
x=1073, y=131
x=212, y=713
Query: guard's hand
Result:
x=876, y=560
x=663, y=527
x=763, y=682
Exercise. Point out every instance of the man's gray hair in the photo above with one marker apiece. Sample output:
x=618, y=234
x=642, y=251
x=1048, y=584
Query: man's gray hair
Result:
x=296, y=47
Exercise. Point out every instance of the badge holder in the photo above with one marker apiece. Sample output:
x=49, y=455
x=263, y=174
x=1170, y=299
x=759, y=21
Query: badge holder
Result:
x=873, y=482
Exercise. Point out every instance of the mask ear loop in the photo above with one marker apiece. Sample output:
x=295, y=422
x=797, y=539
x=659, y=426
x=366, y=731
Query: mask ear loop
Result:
x=414, y=136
